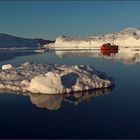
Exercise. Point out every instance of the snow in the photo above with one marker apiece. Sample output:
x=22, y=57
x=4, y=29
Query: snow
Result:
x=129, y=37
x=52, y=78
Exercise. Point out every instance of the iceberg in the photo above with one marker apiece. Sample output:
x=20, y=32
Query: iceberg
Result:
x=52, y=78
x=129, y=37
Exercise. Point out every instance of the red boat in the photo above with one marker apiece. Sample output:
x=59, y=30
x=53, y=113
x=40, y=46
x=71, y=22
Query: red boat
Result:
x=108, y=52
x=108, y=46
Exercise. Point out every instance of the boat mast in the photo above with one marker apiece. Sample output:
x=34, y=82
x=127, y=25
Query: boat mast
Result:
x=104, y=39
x=113, y=38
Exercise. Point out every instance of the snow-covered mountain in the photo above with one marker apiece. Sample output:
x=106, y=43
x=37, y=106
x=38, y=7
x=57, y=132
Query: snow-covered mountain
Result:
x=9, y=41
x=129, y=37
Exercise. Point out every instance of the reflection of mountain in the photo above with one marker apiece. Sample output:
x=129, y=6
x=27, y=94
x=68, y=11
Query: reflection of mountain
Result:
x=7, y=55
x=125, y=55
x=53, y=102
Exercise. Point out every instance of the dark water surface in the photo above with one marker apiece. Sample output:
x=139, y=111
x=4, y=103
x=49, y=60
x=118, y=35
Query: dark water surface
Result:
x=113, y=113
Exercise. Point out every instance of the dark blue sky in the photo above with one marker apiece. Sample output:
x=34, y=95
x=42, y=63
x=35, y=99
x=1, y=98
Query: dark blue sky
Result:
x=48, y=19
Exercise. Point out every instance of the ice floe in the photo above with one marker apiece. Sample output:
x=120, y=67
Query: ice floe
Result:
x=51, y=78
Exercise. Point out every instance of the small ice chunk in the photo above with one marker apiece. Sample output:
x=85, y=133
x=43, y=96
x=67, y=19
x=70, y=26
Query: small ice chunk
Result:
x=6, y=66
x=25, y=82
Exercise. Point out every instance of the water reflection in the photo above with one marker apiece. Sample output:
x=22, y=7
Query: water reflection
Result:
x=8, y=55
x=125, y=55
x=54, y=102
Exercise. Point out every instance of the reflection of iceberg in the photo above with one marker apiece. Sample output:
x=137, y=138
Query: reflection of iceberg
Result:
x=125, y=55
x=53, y=102
x=91, y=53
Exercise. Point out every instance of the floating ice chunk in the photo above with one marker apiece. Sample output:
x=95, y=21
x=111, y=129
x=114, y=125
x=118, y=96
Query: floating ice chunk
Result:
x=6, y=66
x=51, y=78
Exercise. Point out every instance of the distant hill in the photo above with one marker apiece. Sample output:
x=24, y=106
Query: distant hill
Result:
x=42, y=42
x=9, y=41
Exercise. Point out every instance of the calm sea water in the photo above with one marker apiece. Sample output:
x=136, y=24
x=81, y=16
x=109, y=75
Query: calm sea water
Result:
x=111, y=113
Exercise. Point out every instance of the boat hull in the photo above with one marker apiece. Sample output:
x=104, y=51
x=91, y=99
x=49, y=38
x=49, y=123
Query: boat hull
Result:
x=108, y=46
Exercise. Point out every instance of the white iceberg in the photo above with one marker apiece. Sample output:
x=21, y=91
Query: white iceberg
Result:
x=129, y=37
x=52, y=78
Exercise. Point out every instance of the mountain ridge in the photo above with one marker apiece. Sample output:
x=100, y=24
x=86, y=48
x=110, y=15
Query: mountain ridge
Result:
x=10, y=41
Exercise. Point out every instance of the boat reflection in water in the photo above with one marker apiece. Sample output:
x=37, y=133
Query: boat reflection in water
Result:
x=109, y=52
